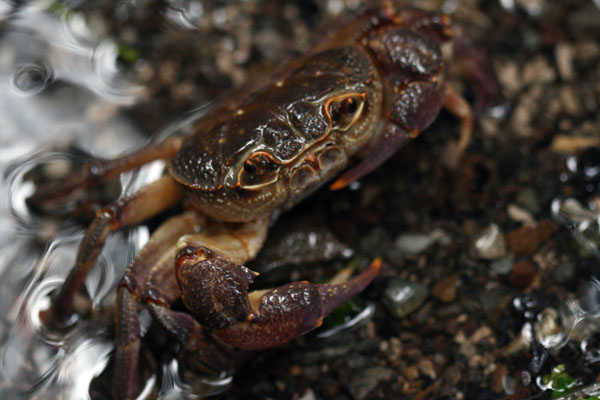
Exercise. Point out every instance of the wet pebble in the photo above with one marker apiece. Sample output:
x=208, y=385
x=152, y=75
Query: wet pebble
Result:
x=502, y=266
x=525, y=240
x=402, y=297
x=365, y=380
x=570, y=211
x=414, y=243
x=522, y=275
x=489, y=244
x=445, y=290
x=519, y=214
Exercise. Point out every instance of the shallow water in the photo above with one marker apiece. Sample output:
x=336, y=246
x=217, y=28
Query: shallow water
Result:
x=57, y=80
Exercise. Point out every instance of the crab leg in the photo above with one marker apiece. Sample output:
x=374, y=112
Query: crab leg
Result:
x=138, y=207
x=161, y=246
x=458, y=106
x=150, y=278
x=97, y=171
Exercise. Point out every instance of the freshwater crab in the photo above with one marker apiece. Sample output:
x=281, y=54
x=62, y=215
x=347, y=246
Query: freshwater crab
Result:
x=360, y=95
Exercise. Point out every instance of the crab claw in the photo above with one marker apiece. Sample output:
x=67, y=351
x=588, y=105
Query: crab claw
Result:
x=213, y=288
x=289, y=311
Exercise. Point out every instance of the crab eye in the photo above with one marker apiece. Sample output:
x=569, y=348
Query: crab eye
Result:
x=350, y=105
x=258, y=171
x=344, y=111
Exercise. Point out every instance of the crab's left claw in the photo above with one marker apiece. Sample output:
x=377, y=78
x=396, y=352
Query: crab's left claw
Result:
x=286, y=312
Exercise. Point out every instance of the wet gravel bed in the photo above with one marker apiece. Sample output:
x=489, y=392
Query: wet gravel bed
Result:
x=477, y=268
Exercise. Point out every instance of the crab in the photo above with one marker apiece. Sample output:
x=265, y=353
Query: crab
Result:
x=355, y=99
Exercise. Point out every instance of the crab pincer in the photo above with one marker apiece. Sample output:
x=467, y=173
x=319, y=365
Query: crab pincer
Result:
x=215, y=291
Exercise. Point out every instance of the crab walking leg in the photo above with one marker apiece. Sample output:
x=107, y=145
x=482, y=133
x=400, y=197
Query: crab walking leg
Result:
x=458, y=106
x=393, y=138
x=126, y=371
x=158, y=251
x=97, y=171
x=141, y=205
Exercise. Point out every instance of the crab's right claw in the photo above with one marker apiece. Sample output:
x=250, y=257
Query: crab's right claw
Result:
x=289, y=311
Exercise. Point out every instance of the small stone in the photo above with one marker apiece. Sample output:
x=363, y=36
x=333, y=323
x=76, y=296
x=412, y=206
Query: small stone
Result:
x=307, y=395
x=411, y=373
x=509, y=75
x=402, y=297
x=522, y=274
x=538, y=70
x=525, y=240
x=528, y=199
x=569, y=101
x=489, y=244
x=427, y=369
x=520, y=120
x=445, y=290
x=414, y=243
x=502, y=266
x=483, y=332
x=365, y=380
x=519, y=214
x=572, y=211
x=563, y=53
x=573, y=143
